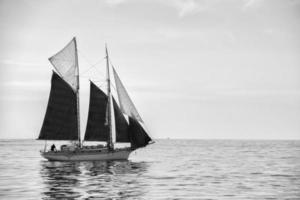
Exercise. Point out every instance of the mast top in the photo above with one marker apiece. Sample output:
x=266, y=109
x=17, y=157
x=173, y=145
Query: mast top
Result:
x=106, y=52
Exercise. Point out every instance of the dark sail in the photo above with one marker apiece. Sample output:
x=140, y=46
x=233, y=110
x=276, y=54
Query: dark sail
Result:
x=60, y=122
x=97, y=129
x=121, y=124
x=138, y=136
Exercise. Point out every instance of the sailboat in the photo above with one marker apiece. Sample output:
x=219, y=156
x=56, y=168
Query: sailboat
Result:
x=108, y=121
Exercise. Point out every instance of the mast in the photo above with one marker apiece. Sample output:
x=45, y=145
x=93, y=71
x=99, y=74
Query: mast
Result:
x=109, y=117
x=77, y=94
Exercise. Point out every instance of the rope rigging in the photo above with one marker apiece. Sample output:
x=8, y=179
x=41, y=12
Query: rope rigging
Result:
x=93, y=66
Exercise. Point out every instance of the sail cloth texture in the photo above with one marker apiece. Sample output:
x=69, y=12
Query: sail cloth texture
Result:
x=126, y=105
x=122, y=134
x=97, y=129
x=65, y=62
x=60, y=122
x=138, y=136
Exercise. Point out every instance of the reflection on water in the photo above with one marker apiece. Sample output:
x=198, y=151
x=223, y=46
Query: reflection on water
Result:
x=61, y=179
x=113, y=179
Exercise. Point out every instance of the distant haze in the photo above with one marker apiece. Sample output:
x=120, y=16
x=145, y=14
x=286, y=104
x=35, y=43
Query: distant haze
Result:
x=195, y=69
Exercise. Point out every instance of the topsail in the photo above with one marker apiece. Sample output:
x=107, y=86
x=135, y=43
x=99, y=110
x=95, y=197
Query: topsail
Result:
x=65, y=62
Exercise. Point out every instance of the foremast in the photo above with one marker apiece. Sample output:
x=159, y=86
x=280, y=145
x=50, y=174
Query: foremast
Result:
x=110, y=143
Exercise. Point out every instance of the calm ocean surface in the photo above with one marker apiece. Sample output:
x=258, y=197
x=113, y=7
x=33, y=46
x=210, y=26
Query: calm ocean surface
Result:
x=169, y=169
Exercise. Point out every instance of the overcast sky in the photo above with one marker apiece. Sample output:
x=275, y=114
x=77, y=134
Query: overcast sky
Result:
x=194, y=69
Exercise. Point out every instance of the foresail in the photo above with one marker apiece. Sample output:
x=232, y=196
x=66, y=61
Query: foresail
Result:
x=65, y=62
x=126, y=105
x=60, y=122
x=97, y=129
x=138, y=136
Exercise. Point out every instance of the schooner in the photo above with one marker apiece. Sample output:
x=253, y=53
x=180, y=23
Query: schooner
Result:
x=107, y=121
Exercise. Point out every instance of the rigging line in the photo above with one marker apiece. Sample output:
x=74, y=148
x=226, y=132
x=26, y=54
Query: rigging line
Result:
x=85, y=77
x=92, y=66
x=111, y=63
x=113, y=68
x=99, y=84
x=102, y=85
x=93, y=76
x=99, y=77
x=85, y=58
x=94, y=81
x=101, y=72
x=113, y=87
x=99, y=81
x=112, y=83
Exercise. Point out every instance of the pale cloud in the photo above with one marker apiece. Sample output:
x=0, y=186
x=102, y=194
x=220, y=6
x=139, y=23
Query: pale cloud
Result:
x=252, y=4
x=115, y=2
x=190, y=7
x=184, y=7
x=187, y=7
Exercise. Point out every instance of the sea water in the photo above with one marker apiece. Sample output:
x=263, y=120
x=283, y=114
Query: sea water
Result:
x=168, y=169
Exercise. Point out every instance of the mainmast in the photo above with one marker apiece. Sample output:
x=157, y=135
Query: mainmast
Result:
x=109, y=116
x=77, y=94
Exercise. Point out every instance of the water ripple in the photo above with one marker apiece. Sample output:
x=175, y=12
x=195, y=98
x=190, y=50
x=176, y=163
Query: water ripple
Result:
x=169, y=169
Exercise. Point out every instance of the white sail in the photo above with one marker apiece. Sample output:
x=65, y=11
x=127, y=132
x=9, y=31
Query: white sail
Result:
x=65, y=62
x=126, y=105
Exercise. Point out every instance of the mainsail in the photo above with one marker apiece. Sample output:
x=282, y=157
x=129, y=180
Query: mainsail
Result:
x=126, y=104
x=137, y=134
x=66, y=64
x=60, y=122
x=97, y=129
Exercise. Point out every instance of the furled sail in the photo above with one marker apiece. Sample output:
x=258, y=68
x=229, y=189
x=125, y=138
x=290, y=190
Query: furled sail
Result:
x=60, y=122
x=121, y=124
x=126, y=105
x=97, y=129
x=66, y=64
x=138, y=136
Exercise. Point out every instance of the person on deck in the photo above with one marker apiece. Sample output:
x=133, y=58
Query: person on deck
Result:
x=53, y=148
